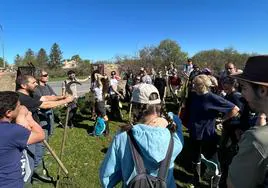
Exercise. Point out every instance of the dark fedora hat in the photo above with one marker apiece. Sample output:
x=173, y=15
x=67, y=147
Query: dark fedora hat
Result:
x=255, y=71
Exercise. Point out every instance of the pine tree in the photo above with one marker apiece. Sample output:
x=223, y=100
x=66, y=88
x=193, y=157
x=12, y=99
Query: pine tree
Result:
x=29, y=57
x=18, y=60
x=55, y=56
x=42, y=58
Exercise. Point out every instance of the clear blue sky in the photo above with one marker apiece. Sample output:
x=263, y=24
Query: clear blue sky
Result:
x=100, y=30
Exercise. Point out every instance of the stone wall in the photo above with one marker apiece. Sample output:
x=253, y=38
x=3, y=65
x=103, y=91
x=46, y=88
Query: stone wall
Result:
x=7, y=81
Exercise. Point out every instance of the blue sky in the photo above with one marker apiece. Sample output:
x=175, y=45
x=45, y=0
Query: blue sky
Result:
x=100, y=30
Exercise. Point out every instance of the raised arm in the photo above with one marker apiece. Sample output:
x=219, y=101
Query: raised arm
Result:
x=233, y=113
x=52, y=98
x=52, y=104
x=83, y=80
x=37, y=133
x=26, y=120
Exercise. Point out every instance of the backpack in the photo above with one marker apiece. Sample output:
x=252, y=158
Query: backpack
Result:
x=100, y=126
x=142, y=179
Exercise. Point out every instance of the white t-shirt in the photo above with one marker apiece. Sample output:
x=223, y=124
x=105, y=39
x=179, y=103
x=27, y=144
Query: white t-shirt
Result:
x=98, y=94
x=113, y=82
x=73, y=88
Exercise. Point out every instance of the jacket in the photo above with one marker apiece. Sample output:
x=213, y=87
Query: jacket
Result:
x=153, y=142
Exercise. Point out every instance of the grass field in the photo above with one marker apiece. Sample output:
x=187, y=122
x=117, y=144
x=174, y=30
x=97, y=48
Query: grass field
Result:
x=83, y=155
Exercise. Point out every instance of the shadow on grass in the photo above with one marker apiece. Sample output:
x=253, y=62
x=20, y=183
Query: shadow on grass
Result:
x=104, y=150
x=183, y=172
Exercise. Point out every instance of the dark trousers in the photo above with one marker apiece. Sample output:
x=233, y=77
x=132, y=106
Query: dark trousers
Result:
x=115, y=107
x=207, y=147
x=72, y=113
x=226, y=154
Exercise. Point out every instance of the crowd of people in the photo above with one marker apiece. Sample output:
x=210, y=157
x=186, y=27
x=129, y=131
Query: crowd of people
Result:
x=225, y=115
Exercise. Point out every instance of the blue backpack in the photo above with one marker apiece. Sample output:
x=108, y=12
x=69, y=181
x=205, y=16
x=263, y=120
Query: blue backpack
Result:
x=143, y=179
x=100, y=126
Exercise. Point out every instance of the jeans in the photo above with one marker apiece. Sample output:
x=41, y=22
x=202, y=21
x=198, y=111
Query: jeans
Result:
x=31, y=157
x=47, y=121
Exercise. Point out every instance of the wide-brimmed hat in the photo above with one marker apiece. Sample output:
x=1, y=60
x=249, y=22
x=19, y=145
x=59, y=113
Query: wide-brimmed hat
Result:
x=141, y=94
x=255, y=71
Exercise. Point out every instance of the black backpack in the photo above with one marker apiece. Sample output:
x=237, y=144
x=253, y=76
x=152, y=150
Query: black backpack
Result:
x=142, y=179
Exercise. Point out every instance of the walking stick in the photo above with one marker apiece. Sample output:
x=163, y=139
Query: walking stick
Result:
x=63, y=144
x=56, y=157
x=67, y=180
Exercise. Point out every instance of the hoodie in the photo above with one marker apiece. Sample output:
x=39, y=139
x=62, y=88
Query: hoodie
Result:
x=153, y=142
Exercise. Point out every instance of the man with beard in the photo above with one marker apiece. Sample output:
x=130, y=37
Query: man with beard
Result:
x=252, y=157
x=25, y=87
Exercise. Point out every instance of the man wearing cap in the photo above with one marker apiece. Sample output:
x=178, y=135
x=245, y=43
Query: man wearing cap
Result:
x=249, y=166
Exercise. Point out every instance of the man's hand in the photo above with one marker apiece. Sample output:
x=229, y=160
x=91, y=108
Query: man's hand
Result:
x=63, y=97
x=121, y=96
x=69, y=99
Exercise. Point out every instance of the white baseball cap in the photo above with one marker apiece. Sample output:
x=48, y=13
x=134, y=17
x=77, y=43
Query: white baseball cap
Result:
x=141, y=93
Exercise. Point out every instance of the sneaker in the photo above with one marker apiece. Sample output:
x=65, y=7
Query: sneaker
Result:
x=212, y=167
x=215, y=181
x=191, y=186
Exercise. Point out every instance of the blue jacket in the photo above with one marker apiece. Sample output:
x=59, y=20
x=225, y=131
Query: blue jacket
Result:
x=153, y=141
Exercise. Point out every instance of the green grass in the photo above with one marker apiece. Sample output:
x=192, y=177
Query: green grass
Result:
x=83, y=155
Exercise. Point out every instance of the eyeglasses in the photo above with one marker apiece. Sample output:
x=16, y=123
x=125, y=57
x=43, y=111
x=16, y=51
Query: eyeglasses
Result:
x=45, y=75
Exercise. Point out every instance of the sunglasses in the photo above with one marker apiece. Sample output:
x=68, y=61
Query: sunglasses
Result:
x=45, y=75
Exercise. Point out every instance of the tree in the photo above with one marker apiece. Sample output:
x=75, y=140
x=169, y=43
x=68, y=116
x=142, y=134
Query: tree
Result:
x=167, y=51
x=42, y=58
x=55, y=56
x=1, y=62
x=84, y=68
x=170, y=51
x=148, y=57
x=18, y=60
x=29, y=57
x=147, y=53
x=76, y=58
x=216, y=59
